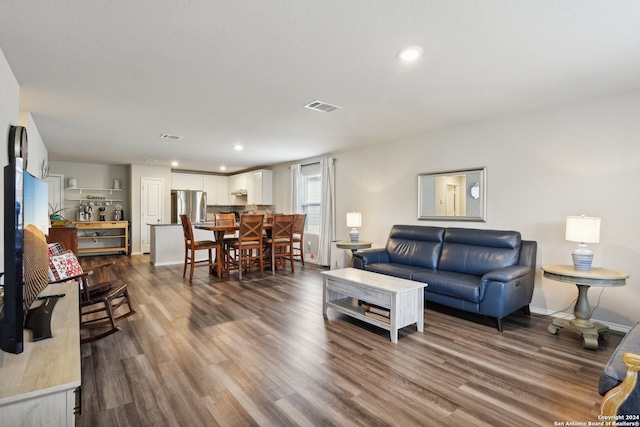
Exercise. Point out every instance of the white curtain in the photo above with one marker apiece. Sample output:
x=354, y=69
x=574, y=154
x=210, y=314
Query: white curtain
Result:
x=296, y=180
x=328, y=214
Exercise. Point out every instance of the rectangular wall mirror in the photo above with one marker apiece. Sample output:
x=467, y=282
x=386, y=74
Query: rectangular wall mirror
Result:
x=458, y=195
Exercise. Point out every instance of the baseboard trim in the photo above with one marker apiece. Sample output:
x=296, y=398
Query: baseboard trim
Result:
x=546, y=312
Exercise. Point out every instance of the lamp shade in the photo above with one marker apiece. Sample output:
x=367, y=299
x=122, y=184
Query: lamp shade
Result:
x=354, y=219
x=583, y=229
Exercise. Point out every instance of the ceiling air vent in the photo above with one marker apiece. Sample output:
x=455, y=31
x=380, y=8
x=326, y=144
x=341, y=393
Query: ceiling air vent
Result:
x=167, y=136
x=321, y=106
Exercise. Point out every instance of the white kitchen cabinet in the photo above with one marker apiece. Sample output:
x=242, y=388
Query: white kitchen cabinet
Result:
x=210, y=186
x=222, y=197
x=187, y=181
x=237, y=183
x=260, y=187
x=217, y=190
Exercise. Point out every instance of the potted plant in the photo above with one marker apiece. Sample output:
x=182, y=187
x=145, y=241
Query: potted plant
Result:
x=55, y=216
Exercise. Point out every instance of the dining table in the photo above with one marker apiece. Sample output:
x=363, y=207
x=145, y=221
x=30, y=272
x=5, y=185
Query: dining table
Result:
x=219, y=231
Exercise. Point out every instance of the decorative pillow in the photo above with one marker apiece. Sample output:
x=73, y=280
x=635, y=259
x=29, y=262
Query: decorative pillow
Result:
x=63, y=266
x=55, y=249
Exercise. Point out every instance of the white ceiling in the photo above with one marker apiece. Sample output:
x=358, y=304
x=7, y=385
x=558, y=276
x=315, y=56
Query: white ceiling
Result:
x=104, y=79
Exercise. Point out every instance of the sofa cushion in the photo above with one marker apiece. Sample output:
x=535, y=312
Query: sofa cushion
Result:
x=393, y=269
x=456, y=285
x=616, y=370
x=477, y=252
x=415, y=245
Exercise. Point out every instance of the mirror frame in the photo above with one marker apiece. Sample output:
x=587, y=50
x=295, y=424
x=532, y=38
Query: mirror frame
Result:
x=425, y=187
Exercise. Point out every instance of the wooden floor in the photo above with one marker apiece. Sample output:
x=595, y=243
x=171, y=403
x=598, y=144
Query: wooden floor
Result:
x=259, y=352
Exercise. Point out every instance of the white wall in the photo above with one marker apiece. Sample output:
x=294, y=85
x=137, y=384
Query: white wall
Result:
x=38, y=153
x=91, y=175
x=541, y=167
x=9, y=103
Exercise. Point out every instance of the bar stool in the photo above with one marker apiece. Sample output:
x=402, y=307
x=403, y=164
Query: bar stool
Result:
x=249, y=245
x=191, y=246
x=298, y=236
x=281, y=242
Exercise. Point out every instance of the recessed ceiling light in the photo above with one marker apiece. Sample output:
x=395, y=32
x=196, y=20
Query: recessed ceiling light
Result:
x=174, y=163
x=223, y=168
x=237, y=147
x=409, y=53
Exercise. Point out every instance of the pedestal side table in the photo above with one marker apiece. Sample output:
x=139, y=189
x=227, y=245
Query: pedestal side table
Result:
x=354, y=246
x=590, y=332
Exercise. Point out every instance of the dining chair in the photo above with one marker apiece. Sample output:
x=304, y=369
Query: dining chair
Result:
x=249, y=245
x=191, y=246
x=268, y=218
x=298, y=236
x=227, y=219
x=281, y=242
x=103, y=303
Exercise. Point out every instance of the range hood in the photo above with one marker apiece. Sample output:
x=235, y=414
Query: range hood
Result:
x=240, y=192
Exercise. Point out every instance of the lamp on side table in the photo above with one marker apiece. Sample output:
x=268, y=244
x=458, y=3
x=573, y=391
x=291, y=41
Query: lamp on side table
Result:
x=354, y=220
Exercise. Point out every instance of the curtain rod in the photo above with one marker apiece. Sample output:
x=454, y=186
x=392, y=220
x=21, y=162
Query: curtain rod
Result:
x=314, y=163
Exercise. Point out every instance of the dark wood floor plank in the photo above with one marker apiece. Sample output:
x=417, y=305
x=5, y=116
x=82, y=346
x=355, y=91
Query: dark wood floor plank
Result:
x=225, y=352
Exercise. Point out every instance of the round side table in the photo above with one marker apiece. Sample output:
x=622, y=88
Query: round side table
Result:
x=354, y=246
x=590, y=332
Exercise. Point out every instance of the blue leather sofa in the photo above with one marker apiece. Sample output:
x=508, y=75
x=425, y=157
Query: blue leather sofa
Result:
x=487, y=272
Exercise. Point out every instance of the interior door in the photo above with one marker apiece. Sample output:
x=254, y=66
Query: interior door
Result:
x=56, y=193
x=451, y=205
x=151, y=190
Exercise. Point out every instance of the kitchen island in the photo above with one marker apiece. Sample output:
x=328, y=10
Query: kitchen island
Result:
x=167, y=243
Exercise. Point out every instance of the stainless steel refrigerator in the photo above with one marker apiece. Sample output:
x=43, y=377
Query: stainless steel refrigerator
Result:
x=190, y=203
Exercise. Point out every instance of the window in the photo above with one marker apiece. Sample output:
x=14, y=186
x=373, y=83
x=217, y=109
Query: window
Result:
x=310, y=197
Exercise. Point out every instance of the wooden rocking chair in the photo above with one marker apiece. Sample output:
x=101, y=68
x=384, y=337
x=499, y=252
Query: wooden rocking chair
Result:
x=100, y=298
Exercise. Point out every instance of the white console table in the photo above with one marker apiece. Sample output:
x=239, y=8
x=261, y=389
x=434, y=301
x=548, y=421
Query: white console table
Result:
x=38, y=386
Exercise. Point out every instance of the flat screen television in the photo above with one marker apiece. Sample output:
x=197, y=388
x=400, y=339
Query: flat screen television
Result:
x=25, y=202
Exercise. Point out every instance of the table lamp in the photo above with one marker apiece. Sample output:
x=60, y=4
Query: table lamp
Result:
x=354, y=219
x=582, y=229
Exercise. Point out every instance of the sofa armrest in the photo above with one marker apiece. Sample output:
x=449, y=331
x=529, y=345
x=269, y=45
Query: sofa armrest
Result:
x=506, y=274
x=511, y=286
x=614, y=399
x=369, y=256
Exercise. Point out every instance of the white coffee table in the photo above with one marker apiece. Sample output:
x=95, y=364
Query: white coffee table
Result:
x=404, y=298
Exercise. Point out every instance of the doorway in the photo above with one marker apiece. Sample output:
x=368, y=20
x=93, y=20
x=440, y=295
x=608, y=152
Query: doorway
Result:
x=56, y=192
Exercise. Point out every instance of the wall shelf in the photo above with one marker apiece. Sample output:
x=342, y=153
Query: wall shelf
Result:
x=88, y=197
x=94, y=200
x=110, y=190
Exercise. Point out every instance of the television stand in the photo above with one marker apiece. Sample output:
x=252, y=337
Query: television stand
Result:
x=39, y=318
x=38, y=386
